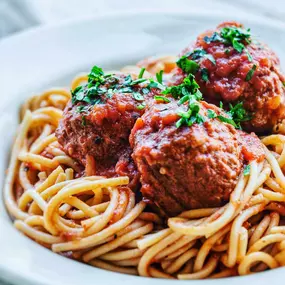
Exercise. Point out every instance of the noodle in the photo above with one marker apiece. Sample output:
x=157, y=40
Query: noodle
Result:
x=99, y=221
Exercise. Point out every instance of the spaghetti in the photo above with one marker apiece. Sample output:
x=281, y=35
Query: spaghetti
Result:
x=97, y=220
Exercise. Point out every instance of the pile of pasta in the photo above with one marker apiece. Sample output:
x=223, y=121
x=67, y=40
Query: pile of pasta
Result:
x=97, y=220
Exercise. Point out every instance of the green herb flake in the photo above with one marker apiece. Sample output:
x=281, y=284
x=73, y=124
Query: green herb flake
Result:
x=190, y=66
x=201, y=53
x=141, y=106
x=138, y=81
x=137, y=96
x=227, y=120
x=237, y=37
x=250, y=73
x=249, y=56
x=211, y=114
x=205, y=74
x=188, y=92
x=141, y=72
x=83, y=122
x=283, y=83
x=187, y=65
x=161, y=98
x=155, y=84
x=145, y=91
x=246, y=170
x=83, y=109
x=159, y=76
x=239, y=114
x=215, y=37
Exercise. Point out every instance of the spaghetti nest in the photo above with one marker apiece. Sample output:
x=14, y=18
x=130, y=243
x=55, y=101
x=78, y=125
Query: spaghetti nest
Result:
x=97, y=220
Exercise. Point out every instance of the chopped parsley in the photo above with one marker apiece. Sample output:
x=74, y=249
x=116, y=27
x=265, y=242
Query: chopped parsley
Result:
x=100, y=84
x=161, y=98
x=83, y=109
x=83, y=122
x=227, y=120
x=200, y=53
x=250, y=73
x=239, y=114
x=141, y=106
x=205, y=74
x=159, y=76
x=155, y=84
x=233, y=36
x=187, y=92
x=190, y=66
x=211, y=114
x=137, y=96
x=141, y=72
x=246, y=170
x=215, y=37
x=235, y=115
x=101, y=87
x=188, y=87
x=138, y=81
x=187, y=65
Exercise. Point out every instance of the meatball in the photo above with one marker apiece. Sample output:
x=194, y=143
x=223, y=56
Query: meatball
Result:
x=233, y=67
x=185, y=167
x=96, y=124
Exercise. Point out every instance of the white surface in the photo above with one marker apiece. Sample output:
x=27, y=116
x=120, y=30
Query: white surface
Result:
x=16, y=15
x=51, y=56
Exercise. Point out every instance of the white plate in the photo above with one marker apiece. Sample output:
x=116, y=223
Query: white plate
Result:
x=45, y=57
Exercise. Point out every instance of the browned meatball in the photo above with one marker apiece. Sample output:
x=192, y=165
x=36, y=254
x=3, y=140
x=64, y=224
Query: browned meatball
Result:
x=229, y=73
x=188, y=167
x=97, y=125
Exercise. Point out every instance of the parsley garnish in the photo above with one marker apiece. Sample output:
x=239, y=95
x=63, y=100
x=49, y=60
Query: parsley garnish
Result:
x=137, y=96
x=83, y=122
x=155, y=84
x=250, y=73
x=161, y=98
x=159, y=76
x=235, y=115
x=211, y=114
x=138, y=81
x=188, y=87
x=246, y=170
x=234, y=36
x=189, y=65
x=141, y=72
x=205, y=74
x=141, y=106
x=92, y=92
x=239, y=114
x=227, y=120
x=187, y=91
x=82, y=109
x=200, y=53
x=215, y=37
